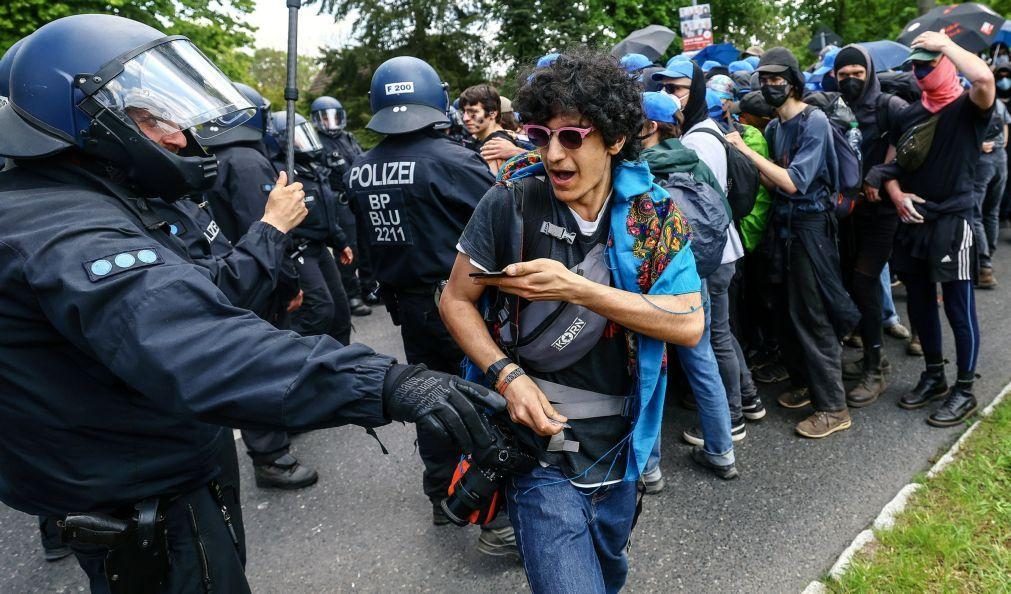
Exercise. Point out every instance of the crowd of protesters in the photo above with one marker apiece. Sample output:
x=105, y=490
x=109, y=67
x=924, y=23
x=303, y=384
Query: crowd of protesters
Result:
x=624, y=233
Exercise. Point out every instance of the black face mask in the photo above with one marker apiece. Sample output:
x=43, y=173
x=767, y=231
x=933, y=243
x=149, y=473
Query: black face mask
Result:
x=775, y=95
x=851, y=89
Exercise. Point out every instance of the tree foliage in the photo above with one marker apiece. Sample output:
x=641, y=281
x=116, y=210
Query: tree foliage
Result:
x=268, y=72
x=218, y=28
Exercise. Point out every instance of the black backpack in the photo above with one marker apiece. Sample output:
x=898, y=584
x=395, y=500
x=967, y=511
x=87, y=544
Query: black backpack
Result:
x=742, y=178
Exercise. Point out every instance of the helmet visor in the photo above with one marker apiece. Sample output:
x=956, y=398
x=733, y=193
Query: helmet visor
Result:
x=173, y=87
x=330, y=119
x=306, y=140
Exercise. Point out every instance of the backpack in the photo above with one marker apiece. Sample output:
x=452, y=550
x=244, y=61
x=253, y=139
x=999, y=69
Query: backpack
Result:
x=742, y=178
x=846, y=171
x=902, y=84
x=707, y=214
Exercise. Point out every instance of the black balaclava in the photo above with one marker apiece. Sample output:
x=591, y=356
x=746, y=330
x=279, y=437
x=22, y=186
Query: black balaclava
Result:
x=864, y=105
x=696, y=110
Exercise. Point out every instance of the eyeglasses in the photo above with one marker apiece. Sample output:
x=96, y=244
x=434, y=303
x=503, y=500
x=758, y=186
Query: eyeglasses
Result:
x=672, y=88
x=569, y=137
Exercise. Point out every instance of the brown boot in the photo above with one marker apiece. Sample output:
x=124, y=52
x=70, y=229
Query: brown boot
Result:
x=872, y=385
x=987, y=279
x=914, y=348
x=824, y=423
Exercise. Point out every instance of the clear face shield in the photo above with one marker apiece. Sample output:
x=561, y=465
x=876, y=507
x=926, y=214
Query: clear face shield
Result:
x=306, y=141
x=172, y=87
x=173, y=96
x=330, y=120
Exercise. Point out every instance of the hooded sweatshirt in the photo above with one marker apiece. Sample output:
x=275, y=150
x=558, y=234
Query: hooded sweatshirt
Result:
x=873, y=111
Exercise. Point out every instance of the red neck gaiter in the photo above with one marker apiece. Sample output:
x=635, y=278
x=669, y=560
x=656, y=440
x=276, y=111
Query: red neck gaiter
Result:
x=940, y=87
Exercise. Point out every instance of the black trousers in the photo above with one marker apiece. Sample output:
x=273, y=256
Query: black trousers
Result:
x=866, y=240
x=203, y=556
x=427, y=342
x=349, y=272
x=324, y=304
x=810, y=347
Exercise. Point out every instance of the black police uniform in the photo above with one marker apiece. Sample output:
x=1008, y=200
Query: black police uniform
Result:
x=324, y=307
x=142, y=352
x=238, y=200
x=251, y=275
x=414, y=194
x=340, y=149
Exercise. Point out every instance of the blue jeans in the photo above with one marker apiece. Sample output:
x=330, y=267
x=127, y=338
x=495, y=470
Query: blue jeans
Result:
x=703, y=374
x=889, y=317
x=572, y=540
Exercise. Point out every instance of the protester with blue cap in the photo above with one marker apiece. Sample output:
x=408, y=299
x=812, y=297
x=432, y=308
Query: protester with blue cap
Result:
x=709, y=65
x=753, y=60
x=666, y=157
x=703, y=135
x=725, y=91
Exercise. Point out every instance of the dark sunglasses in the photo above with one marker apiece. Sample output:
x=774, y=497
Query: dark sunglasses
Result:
x=672, y=88
x=569, y=137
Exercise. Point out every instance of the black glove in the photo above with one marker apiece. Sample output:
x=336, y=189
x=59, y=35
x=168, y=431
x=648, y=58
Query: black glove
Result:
x=453, y=406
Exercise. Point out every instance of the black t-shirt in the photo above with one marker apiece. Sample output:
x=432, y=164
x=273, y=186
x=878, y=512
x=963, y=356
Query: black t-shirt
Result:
x=949, y=170
x=490, y=241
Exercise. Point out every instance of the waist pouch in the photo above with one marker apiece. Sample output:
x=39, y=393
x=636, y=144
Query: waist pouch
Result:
x=578, y=404
x=914, y=145
x=552, y=335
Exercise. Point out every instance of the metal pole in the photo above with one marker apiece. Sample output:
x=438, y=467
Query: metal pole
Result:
x=291, y=85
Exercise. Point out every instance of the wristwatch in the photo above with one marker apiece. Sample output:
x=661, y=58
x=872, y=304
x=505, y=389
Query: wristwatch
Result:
x=495, y=369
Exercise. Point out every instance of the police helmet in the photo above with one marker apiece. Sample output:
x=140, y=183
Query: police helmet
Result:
x=328, y=115
x=407, y=95
x=111, y=88
x=253, y=129
x=5, y=67
x=306, y=141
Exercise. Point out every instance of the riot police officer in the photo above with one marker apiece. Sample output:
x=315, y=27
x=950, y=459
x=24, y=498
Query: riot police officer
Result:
x=237, y=199
x=119, y=353
x=339, y=150
x=414, y=193
x=325, y=306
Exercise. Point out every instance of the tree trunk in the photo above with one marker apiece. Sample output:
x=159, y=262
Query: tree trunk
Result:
x=924, y=6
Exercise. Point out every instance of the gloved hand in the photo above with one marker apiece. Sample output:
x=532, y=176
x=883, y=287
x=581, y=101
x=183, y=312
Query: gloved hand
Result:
x=453, y=406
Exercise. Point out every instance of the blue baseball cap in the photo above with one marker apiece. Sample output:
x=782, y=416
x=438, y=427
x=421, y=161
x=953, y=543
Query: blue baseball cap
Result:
x=547, y=60
x=828, y=62
x=676, y=70
x=740, y=66
x=709, y=65
x=678, y=58
x=635, y=62
x=714, y=103
x=753, y=60
x=660, y=107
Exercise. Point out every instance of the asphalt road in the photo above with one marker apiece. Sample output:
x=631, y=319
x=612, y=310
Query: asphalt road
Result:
x=366, y=525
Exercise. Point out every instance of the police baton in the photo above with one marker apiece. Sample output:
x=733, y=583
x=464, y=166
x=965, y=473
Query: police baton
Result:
x=291, y=86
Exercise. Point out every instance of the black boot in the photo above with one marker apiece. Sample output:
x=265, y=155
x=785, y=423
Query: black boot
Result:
x=872, y=384
x=957, y=407
x=284, y=473
x=358, y=307
x=932, y=385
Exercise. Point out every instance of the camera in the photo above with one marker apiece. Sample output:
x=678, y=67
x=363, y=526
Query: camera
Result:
x=474, y=495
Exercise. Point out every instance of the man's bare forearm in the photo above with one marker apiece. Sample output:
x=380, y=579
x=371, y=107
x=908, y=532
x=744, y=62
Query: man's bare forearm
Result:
x=677, y=319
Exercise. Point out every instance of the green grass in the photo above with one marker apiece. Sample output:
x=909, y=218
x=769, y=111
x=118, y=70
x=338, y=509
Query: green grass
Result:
x=955, y=535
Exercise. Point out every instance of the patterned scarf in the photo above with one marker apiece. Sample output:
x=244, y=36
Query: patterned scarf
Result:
x=648, y=234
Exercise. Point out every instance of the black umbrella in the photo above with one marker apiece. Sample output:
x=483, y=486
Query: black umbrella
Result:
x=651, y=41
x=972, y=26
x=823, y=36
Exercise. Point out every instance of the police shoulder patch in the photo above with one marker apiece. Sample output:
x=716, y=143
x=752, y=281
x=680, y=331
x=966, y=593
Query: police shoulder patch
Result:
x=113, y=264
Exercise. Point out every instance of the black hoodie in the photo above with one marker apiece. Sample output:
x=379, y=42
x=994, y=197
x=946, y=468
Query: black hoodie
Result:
x=874, y=146
x=696, y=110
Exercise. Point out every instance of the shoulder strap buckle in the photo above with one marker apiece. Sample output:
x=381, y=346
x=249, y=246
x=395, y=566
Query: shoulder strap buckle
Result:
x=559, y=233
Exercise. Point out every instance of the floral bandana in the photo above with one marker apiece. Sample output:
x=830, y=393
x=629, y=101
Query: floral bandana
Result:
x=650, y=253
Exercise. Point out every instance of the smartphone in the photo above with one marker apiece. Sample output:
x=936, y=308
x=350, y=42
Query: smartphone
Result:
x=499, y=274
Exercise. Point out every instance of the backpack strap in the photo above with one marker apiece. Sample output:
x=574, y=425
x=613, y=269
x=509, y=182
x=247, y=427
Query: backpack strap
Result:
x=881, y=114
